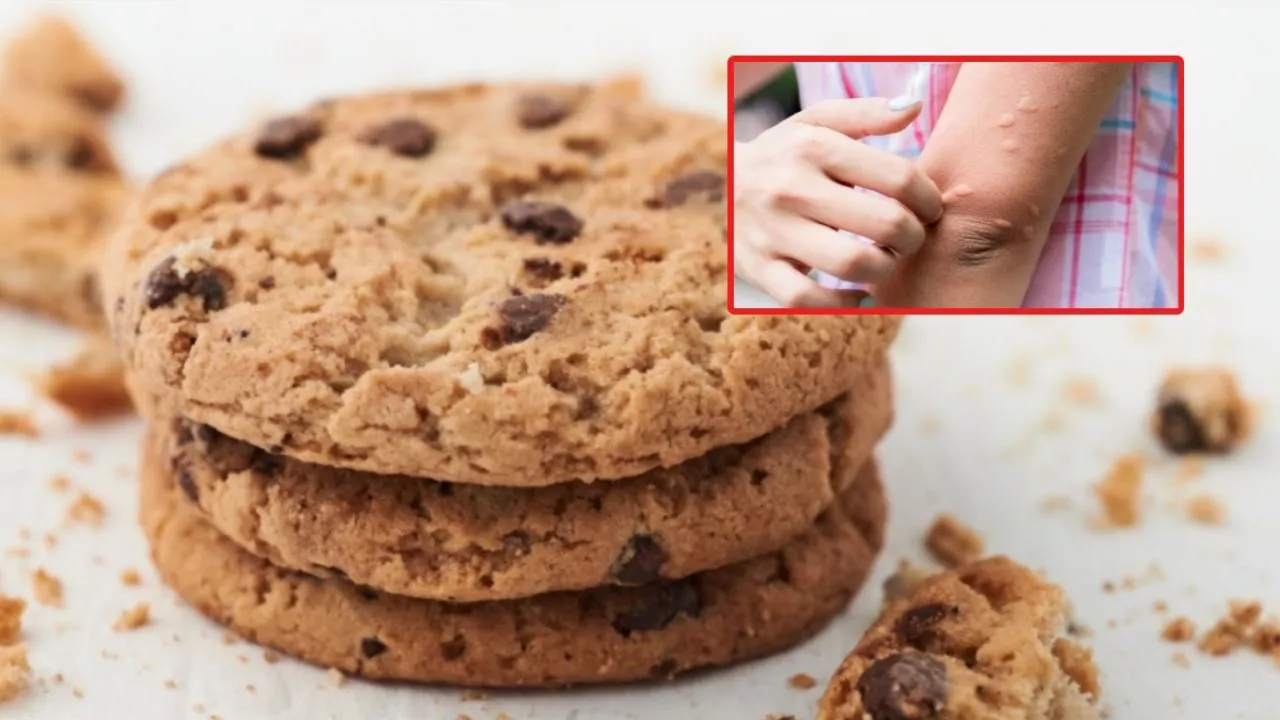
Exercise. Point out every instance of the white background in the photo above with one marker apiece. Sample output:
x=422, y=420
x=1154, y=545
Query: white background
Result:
x=969, y=438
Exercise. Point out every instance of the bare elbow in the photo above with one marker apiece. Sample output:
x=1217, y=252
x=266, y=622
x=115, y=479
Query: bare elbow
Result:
x=981, y=242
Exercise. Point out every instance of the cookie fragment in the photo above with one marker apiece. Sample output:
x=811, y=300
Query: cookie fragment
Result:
x=167, y=282
x=1179, y=629
x=287, y=137
x=951, y=542
x=407, y=137
x=46, y=589
x=90, y=385
x=15, y=672
x=1200, y=411
x=1119, y=491
x=548, y=222
x=133, y=618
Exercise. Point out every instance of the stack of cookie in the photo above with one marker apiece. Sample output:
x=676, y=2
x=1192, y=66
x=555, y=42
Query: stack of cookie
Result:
x=442, y=387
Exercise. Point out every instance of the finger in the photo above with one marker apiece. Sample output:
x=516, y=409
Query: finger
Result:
x=860, y=117
x=879, y=219
x=791, y=288
x=856, y=164
x=834, y=253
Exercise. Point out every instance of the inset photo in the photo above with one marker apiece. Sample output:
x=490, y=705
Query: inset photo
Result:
x=958, y=184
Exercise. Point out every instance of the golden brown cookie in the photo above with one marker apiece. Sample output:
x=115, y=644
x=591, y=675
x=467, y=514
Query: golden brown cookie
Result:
x=51, y=56
x=746, y=610
x=507, y=284
x=445, y=541
x=981, y=642
x=60, y=195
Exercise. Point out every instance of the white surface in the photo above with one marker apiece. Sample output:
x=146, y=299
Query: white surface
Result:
x=203, y=69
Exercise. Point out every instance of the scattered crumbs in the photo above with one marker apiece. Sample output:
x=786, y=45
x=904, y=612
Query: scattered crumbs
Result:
x=133, y=618
x=1206, y=510
x=1055, y=503
x=1207, y=249
x=86, y=509
x=11, y=609
x=1082, y=391
x=334, y=678
x=170, y=684
x=1180, y=659
x=1231, y=630
x=270, y=657
x=229, y=638
x=15, y=672
x=1265, y=638
x=802, y=681
x=1190, y=467
x=46, y=589
x=1160, y=606
x=1179, y=629
x=472, y=695
x=91, y=385
x=81, y=456
x=1118, y=491
x=130, y=578
x=59, y=483
x=13, y=422
x=951, y=542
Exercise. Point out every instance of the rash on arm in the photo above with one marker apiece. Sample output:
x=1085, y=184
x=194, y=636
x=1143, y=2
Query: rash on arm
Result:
x=1004, y=150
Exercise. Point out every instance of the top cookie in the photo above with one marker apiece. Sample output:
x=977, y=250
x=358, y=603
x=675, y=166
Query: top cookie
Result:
x=977, y=643
x=513, y=284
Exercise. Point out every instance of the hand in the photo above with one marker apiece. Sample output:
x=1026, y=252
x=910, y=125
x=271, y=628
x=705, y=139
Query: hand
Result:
x=793, y=190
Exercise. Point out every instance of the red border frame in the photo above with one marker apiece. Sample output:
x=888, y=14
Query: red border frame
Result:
x=1182, y=130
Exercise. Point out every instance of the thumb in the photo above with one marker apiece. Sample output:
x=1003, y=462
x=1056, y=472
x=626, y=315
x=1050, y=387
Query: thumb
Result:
x=860, y=117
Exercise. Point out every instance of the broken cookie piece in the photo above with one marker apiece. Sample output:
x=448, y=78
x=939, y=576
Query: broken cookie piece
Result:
x=979, y=642
x=952, y=543
x=15, y=672
x=11, y=609
x=90, y=386
x=1200, y=411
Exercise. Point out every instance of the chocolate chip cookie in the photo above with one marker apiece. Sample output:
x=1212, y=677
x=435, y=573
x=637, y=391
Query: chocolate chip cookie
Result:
x=444, y=541
x=51, y=56
x=491, y=284
x=658, y=630
x=975, y=643
x=60, y=194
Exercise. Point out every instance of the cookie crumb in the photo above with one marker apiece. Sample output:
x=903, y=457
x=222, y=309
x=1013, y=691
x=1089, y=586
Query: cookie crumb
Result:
x=1082, y=391
x=77, y=693
x=1265, y=638
x=1190, y=467
x=1180, y=659
x=1200, y=411
x=229, y=638
x=1119, y=490
x=87, y=509
x=471, y=695
x=59, y=483
x=1232, y=629
x=81, y=456
x=15, y=672
x=801, y=681
x=1207, y=249
x=13, y=422
x=11, y=609
x=952, y=543
x=130, y=578
x=270, y=657
x=133, y=618
x=1160, y=606
x=1179, y=629
x=46, y=589
x=250, y=688
x=170, y=684
x=91, y=385
x=334, y=678
x=903, y=581
x=1206, y=510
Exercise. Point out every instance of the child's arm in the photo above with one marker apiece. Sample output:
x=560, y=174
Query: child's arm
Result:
x=1005, y=148
x=751, y=76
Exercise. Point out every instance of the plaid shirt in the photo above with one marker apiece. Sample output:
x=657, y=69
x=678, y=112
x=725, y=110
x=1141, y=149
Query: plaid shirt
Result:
x=1114, y=241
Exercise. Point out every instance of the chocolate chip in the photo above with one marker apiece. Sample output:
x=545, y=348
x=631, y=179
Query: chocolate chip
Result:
x=366, y=593
x=372, y=647
x=164, y=284
x=404, y=136
x=905, y=686
x=267, y=282
x=707, y=183
x=660, y=609
x=287, y=137
x=1178, y=428
x=84, y=156
x=97, y=96
x=639, y=562
x=549, y=222
x=538, y=110
x=543, y=270
x=522, y=316
x=264, y=463
x=918, y=626
x=187, y=482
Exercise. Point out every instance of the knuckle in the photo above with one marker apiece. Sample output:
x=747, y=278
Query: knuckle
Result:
x=896, y=224
x=783, y=188
x=809, y=143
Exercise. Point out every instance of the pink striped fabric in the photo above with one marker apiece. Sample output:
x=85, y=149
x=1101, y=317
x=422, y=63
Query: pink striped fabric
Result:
x=1114, y=241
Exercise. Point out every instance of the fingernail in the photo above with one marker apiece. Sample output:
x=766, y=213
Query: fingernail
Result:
x=867, y=302
x=903, y=102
